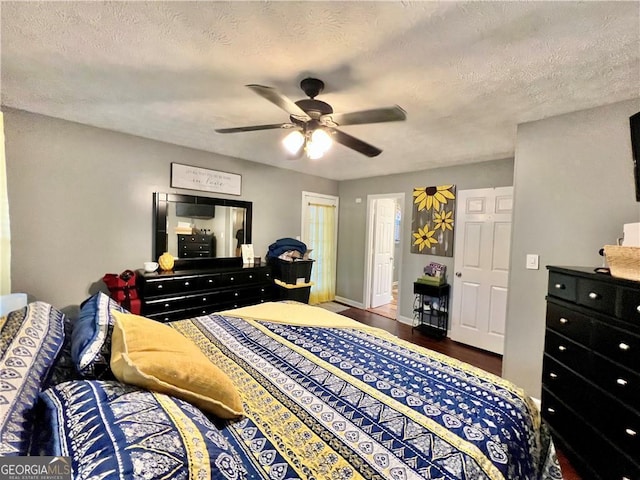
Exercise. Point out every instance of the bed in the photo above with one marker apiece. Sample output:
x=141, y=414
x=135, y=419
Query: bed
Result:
x=279, y=390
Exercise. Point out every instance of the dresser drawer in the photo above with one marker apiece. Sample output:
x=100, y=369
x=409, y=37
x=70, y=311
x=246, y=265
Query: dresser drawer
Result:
x=567, y=352
x=599, y=296
x=569, y=323
x=168, y=304
x=167, y=286
x=618, y=345
x=619, y=381
x=565, y=423
x=242, y=278
x=630, y=305
x=562, y=286
x=182, y=314
x=616, y=421
x=194, y=254
x=258, y=292
x=196, y=247
x=594, y=452
x=565, y=385
x=194, y=239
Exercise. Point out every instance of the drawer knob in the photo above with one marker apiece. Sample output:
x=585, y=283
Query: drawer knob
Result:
x=562, y=348
x=551, y=410
x=166, y=305
x=235, y=294
x=553, y=375
x=564, y=320
x=231, y=279
x=638, y=308
x=204, y=311
x=621, y=381
x=186, y=284
x=594, y=296
x=623, y=346
x=210, y=280
x=204, y=299
x=559, y=286
x=159, y=287
x=631, y=433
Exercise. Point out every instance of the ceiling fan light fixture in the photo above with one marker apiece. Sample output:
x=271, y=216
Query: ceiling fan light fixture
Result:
x=321, y=140
x=318, y=143
x=293, y=142
x=313, y=152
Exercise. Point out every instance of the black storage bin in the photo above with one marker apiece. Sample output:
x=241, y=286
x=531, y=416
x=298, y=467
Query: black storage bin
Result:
x=290, y=272
x=299, y=294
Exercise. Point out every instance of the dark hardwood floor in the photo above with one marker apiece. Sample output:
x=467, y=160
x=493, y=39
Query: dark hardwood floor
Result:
x=488, y=361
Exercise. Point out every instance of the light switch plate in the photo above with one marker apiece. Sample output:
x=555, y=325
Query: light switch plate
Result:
x=532, y=261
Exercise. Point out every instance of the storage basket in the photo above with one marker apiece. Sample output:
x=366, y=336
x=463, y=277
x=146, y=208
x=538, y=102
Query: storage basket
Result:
x=296, y=272
x=427, y=280
x=297, y=293
x=624, y=262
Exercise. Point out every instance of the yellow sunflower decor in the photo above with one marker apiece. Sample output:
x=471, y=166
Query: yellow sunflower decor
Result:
x=432, y=222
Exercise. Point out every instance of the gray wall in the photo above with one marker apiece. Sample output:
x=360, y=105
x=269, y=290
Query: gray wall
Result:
x=573, y=192
x=80, y=202
x=352, y=222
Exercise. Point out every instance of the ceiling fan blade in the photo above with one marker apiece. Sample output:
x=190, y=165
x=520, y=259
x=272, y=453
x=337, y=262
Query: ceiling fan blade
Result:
x=253, y=128
x=354, y=143
x=279, y=100
x=377, y=115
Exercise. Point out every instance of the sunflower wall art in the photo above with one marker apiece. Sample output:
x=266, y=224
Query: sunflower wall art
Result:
x=432, y=222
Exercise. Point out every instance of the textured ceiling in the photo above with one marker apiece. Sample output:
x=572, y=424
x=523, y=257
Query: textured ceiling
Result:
x=466, y=73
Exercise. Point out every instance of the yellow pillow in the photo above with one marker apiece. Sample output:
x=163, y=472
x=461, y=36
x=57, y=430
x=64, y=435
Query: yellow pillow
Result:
x=152, y=355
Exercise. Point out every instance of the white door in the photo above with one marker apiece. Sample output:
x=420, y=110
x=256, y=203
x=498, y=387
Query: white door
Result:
x=481, y=247
x=383, y=225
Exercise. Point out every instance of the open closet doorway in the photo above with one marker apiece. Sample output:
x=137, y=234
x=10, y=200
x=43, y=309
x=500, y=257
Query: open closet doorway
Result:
x=383, y=253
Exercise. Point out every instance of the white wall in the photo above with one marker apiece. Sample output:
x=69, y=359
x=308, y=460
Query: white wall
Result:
x=80, y=202
x=573, y=192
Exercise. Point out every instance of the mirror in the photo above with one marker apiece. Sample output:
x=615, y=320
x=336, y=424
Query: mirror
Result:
x=196, y=229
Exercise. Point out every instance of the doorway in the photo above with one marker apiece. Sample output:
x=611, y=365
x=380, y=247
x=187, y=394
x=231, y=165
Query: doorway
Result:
x=320, y=234
x=383, y=253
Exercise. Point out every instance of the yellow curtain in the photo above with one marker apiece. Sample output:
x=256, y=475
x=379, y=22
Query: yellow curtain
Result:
x=5, y=233
x=322, y=234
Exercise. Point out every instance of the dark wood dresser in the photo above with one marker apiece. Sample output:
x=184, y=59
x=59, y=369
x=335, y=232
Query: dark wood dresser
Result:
x=182, y=294
x=591, y=371
x=196, y=246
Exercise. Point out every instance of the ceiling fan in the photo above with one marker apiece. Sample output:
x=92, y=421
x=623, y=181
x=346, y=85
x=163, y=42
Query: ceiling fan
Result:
x=314, y=123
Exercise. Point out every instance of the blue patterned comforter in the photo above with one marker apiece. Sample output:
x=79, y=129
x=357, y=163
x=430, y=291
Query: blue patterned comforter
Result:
x=347, y=403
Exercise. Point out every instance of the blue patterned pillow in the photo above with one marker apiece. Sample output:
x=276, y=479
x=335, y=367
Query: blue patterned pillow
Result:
x=30, y=340
x=91, y=336
x=113, y=430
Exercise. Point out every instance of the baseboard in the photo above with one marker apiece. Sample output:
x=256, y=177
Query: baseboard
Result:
x=405, y=320
x=351, y=303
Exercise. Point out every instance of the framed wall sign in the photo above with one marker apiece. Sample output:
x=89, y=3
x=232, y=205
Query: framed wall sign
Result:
x=197, y=178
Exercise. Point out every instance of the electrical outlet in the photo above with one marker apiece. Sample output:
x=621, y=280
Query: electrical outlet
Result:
x=532, y=261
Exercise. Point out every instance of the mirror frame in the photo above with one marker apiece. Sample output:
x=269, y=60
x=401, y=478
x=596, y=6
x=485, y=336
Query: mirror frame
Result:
x=160, y=209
